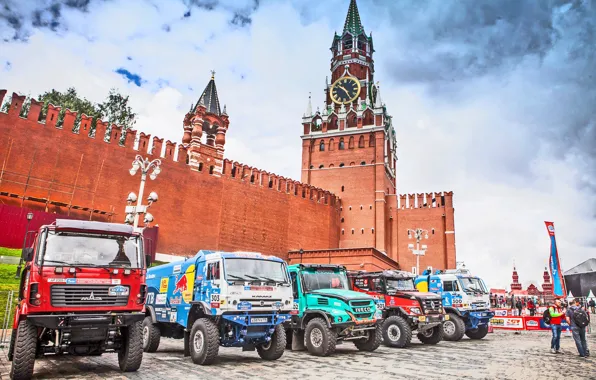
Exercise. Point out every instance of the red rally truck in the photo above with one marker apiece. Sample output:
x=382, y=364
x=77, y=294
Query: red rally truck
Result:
x=405, y=309
x=82, y=292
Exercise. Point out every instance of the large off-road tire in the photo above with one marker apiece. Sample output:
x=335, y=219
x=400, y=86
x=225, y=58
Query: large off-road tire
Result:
x=319, y=339
x=431, y=336
x=374, y=340
x=477, y=333
x=396, y=332
x=453, y=328
x=25, y=348
x=274, y=349
x=151, y=335
x=13, y=338
x=204, y=341
x=130, y=355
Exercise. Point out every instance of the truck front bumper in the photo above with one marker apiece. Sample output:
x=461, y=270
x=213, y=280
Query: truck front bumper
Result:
x=478, y=318
x=428, y=321
x=74, y=321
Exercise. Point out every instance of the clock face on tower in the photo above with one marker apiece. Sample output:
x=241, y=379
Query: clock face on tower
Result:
x=345, y=90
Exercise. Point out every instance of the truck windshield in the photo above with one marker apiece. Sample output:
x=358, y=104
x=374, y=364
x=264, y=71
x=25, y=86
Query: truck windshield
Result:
x=94, y=250
x=324, y=280
x=473, y=284
x=403, y=284
x=255, y=269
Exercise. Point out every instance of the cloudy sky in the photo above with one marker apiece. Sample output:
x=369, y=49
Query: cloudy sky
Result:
x=493, y=100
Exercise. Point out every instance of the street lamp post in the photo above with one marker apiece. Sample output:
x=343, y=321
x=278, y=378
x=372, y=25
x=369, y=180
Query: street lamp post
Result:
x=133, y=212
x=19, y=267
x=418, y=233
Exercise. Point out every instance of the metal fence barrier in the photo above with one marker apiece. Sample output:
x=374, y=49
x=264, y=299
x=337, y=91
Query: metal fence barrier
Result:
x=8, y=302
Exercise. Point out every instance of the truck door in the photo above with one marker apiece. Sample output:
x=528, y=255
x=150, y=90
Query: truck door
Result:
x=211, y=286
x=296, y=294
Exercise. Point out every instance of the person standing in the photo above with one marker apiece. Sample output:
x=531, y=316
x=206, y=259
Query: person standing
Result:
x=578, y=319
x=556, y=315
x=531, y=307
x=518, y=306
x=593, y=306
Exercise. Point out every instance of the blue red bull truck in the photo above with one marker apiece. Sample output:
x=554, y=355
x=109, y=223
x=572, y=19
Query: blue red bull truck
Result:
x=214, y=299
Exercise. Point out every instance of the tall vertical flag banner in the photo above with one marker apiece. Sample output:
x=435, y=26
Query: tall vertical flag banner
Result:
x=555, y=263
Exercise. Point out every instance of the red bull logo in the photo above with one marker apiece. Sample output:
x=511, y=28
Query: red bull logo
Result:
x=181, y=285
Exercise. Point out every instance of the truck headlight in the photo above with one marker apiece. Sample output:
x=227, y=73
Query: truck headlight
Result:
x=287, y=302
x=415, y=310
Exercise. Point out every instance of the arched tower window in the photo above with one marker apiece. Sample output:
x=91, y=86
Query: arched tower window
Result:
x=352, y=120
x=371, y=140
x=322, y=146
x=361, y=142
x=331, y=144
x=368, y=118
x=341, y=144
x=333, y=123
x=348, y=41
x=351, y=143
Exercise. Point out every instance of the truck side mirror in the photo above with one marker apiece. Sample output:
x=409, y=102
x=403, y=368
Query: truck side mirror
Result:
x=27, y=254
x=148, y=260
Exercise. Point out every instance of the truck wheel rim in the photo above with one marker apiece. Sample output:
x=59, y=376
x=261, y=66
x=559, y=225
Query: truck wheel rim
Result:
x=145, y=335
x=198, y=341
x=394, y=333
x=266, y=346
x=449, y=328
x=428, y=333
x=316, y=337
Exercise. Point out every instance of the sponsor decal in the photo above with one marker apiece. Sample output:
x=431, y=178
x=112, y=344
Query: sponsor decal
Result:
x=175, y=301
x=160, y=299
x=150, y=298
x=532, y=323
x=173, y=317
x=177, y=268
x=163, y=285
x=150, y=276
x=92, y=281
x=362, y=309
x=259, y=288
x=244, y=305
x=215, y=305
x=56, y=279
x=277, y=305
x=118, y=290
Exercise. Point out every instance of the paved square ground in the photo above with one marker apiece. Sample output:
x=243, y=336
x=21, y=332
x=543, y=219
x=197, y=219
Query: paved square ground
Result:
x=501, y=355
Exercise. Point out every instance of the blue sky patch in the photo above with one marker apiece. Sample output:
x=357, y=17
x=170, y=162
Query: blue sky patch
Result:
x=131, y=77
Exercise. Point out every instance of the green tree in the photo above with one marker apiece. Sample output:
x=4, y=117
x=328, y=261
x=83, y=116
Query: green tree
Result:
x=113, y=110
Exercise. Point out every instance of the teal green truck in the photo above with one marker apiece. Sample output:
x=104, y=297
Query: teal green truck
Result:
x=326, y=313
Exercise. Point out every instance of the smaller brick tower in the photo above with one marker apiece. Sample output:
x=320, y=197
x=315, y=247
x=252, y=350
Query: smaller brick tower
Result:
x=547, y=286
x=515, y=285
x=205, y=127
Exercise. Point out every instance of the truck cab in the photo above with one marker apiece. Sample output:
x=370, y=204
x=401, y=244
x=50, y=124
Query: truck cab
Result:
x=404, y=308
x=82, y=292
x=230, y=299
x=465, y=298
x=326, y=312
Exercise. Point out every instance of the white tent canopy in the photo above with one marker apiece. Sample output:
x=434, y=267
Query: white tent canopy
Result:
x=591, y=296
x=570, y=296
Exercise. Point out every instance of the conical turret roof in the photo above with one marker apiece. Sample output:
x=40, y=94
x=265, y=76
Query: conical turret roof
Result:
x=209, y=98
x=353, y=23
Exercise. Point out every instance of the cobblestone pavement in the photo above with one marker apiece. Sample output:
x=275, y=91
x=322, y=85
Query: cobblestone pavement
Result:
x=501, y=355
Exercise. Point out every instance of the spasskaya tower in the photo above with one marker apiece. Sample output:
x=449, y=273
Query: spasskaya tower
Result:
x=349, y=148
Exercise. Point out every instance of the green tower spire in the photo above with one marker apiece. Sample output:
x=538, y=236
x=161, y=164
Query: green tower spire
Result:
x=353, y=23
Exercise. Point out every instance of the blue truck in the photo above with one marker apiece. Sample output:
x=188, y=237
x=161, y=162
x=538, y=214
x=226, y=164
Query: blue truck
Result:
x=213, y=299
x=465, y=299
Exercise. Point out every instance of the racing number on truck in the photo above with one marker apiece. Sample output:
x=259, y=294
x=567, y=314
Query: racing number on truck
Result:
x=215, y=298
x=150, y=298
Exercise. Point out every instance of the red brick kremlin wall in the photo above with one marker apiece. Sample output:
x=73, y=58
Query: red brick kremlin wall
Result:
x=53, y=169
